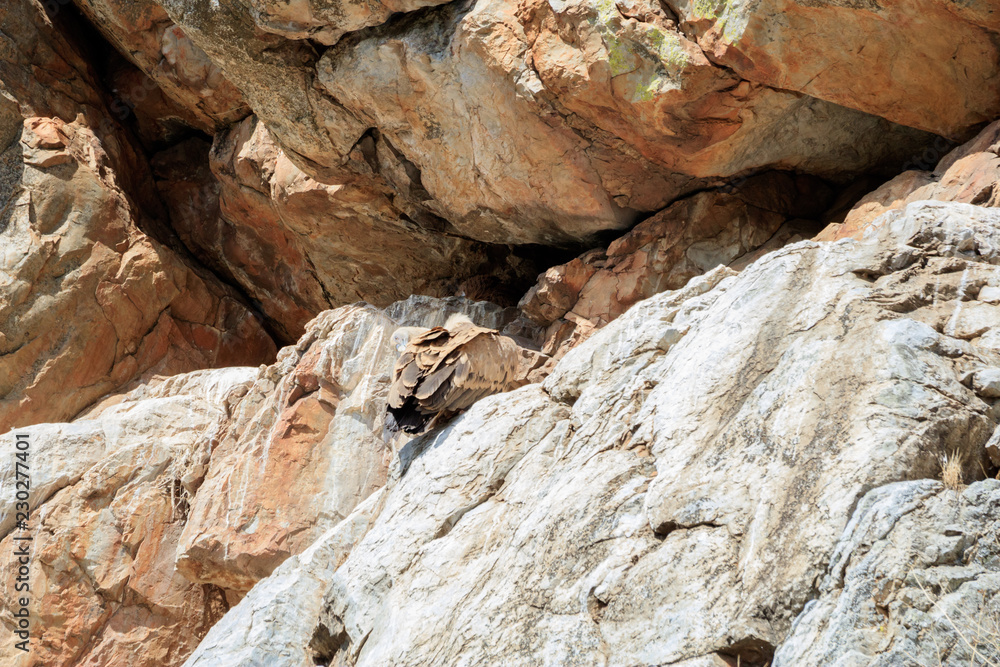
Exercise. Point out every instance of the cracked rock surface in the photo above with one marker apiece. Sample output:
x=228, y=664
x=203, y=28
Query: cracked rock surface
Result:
x=88, y=302
x=914, y=579
x=680, y=488
x=157, y=510
x=617, y=111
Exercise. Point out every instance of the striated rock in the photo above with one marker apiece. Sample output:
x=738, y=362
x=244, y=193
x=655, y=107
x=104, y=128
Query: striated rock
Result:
x=299, y=247
x=913, y=580
x=927, y=64
x=39, y=68
x=640, y=111
x=729, y=457
x=327, y=21
x=254, y=635
x=109, y=501
x=143, y=33
x=275, y=76
x=608, y=553
x=678, y=488
x=616, y=113
x=970, y=173
x=687, y=239
x=87, y=301
x=43, y=71
x=305, y=445
x=158, y=509
x=303, y=449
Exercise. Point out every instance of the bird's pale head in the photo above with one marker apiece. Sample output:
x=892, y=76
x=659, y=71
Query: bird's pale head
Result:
x=402, y=336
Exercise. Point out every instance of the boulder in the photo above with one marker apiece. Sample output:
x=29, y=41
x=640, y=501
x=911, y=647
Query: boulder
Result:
x=969, y=173
x=142, y=32
x=681, y=486
x=305, y=446
x=88, y=302
x=617, y=114
x=109, y=501
x=913, y=580
x=690, y=237
x=158, y=509
x=299, y=247
x=927, y=64
x=642, y=114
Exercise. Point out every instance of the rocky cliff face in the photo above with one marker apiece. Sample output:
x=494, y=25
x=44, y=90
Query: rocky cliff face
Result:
x=751, y=250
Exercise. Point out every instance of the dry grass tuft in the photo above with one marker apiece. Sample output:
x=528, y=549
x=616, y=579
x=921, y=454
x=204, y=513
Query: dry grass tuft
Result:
x=951, y=470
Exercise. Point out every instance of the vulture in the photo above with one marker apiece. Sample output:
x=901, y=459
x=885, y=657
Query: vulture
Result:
x=444, y=370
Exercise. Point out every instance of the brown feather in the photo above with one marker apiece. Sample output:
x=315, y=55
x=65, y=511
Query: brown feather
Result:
x=444, y=371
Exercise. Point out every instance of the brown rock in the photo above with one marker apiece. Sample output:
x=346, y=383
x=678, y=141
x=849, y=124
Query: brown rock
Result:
x=928, y=64
x=305, y=445
x=143, y=32
x=103, y=587
x=303, y=449
x=87, y=301
x=968, y=174
x=298, y=246
x=692, y=236
x=326, y=21
x=44, y=70
x=616, y=113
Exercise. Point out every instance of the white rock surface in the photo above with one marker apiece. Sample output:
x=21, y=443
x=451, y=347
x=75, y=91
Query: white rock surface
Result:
x=676, y=491
x=274, y=623
x=108, y=505
x=171, y=413
x=912, y=581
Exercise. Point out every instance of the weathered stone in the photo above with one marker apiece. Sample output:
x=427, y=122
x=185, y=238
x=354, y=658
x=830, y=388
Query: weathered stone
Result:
x=87, y=301
x=928, y=64
x=326, y=21
x=993, y=448
x=39, y=68
x=673, y=493
x=710, y=473
x=986, y=382
x=300, y=247
x=108, y=506
x=43, y=70
x=275, y=76
x=421, y=105
x=692, y=465
x=257, y=462
x=305, y=446
x=143, y=33
x=303, y=449
x=253, y=635
x=644, y=115
x=687, y=239
x=913, y=580
x=970, y=173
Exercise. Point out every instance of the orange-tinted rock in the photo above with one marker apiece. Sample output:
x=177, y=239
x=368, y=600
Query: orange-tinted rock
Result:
x=305, y=445
x=298, y=246
x=87, y=301
x=616, y=112
x=968, y=174
x=111, y=501
x=929, y=64
x=303, y=448
x=143, y=32
x=687, y=239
